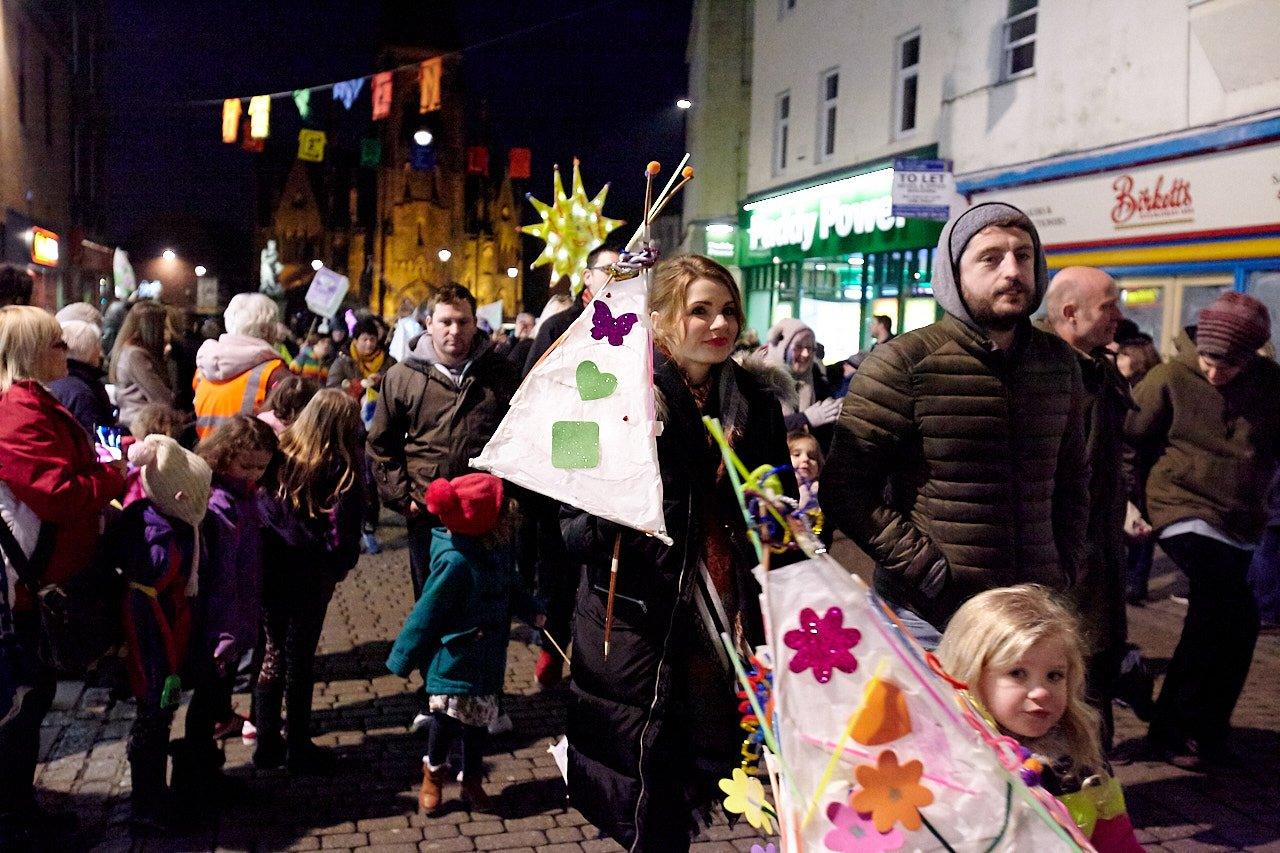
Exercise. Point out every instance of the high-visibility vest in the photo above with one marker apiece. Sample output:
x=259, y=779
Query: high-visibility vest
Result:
x=217, y=401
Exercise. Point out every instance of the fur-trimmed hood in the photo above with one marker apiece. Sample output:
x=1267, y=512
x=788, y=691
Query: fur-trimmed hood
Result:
x=775, y=380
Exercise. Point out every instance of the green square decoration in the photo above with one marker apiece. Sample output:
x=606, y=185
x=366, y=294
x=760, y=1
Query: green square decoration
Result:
x=370, y=153
x=575, y=444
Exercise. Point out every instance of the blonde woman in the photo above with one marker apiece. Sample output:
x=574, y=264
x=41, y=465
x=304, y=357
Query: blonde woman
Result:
x=1021, y=652
x=654, y=726
x=138, y=360
x=51, y=479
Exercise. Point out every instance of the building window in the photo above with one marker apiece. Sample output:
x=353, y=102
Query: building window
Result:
x=48, y=99
x=781, y=132
x=786, y=7
x=1020, y=39
x=828, y=92
x=907, y=85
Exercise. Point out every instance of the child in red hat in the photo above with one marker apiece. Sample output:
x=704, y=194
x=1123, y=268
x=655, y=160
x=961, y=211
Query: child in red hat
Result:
x=458, y=630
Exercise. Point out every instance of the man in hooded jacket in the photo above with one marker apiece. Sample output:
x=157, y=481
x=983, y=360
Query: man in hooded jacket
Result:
x=958, y=461
x=438, y=408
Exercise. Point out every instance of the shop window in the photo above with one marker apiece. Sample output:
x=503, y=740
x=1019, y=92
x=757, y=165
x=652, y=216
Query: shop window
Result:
x=781, y=132
x=906, y=86
x=828, y=92
x=1019, y=55
x=1196, y=297
x=1265, y=287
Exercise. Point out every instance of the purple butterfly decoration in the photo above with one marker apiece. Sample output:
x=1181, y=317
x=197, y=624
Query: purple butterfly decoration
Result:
x=605, y=325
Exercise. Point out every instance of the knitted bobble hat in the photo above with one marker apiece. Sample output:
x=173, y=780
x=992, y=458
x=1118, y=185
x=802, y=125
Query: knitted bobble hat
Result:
x=1232, y=327
x=178, y=482
x=470, y=504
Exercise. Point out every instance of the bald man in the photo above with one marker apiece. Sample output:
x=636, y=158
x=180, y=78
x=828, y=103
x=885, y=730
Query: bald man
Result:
x=1083, y=308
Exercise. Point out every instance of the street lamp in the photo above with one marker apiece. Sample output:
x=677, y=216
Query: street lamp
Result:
x=684, y=103
x=200, y=269
x=168, y=254
x=422, y=137
x=444, y=255
x=316, y=264
x=512, y=272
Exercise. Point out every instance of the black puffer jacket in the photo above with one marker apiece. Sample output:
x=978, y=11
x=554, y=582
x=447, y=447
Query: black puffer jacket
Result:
x=655, y=724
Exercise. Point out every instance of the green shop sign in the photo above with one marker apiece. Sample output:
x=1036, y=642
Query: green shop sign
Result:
x=853, y=214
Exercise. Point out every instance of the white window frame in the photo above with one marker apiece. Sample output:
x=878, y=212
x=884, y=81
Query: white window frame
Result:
x=828, y=115
x=781, y=132
x=1008, y=47
x=900, y=77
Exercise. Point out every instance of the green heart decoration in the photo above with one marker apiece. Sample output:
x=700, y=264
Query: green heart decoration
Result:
x=593, y=383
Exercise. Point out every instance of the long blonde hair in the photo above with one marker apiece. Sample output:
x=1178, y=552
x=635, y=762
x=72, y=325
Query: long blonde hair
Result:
x=25, y=333
x=320, y=453
x=997, y=627
x=670, y=288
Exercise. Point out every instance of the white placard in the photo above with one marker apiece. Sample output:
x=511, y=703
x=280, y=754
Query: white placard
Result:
x=326, y=291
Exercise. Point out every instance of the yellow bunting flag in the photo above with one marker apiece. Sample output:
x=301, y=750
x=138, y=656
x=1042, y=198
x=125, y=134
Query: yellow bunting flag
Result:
x=230, y=119
x=429, y=73
x=260, y=116
x=311, y=145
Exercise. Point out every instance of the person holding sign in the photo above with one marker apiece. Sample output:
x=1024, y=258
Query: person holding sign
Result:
x=653, y=725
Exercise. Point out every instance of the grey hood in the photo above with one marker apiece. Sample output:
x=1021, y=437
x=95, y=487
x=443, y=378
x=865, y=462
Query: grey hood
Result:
x=957, y=234
x=423, y=351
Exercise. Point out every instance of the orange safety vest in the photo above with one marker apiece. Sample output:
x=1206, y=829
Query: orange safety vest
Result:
x=217, y=401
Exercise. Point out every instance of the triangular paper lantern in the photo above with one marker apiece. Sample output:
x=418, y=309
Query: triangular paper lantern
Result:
x=581, y=429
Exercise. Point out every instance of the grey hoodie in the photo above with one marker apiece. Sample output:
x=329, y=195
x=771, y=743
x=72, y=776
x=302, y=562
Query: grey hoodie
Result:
x=422, y=353
x=957, y=234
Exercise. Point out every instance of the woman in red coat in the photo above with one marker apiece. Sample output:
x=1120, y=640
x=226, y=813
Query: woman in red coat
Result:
x=49, y=476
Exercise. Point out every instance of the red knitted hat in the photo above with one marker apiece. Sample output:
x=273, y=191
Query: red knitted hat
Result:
x=469, y=504
x=1233, y=327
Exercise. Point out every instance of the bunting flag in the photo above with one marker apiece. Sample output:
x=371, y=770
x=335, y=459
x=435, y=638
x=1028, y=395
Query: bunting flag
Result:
x=260, y=116
x=381, y=95
x=519, y=164
x=230, y=120
x=371, y=153
x=429, y=73
x=248, y=143
x=302, y=100
x=478, y=160
x=347, y=91
x=311, y=145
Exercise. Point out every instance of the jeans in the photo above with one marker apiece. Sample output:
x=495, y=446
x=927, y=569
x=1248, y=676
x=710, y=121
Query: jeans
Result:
x=923, y=632
x=1138, y=569
x=1264, y=576
x=1207, y=672
x=444, y=732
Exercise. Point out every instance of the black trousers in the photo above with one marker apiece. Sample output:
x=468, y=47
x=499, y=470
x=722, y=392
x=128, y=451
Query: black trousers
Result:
x=444, y=732
x=294, y=609
x=20, y=734
x=210, y=699
x=148, y=751
x=1210, y=665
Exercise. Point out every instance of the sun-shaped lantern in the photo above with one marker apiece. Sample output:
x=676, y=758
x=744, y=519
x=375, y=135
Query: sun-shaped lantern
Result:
x=572, y=225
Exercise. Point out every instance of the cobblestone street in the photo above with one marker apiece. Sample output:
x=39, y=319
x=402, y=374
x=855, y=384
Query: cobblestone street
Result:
x=370, y=804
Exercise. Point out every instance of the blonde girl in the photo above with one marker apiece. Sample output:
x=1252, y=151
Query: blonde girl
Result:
x=1020, y=651
x=311, y=539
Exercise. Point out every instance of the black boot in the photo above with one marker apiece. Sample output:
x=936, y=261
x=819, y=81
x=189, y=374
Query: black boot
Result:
x=149, y=798
x=268, y=696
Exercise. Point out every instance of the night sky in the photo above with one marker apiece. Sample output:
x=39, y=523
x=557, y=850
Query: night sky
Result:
x=596, y=80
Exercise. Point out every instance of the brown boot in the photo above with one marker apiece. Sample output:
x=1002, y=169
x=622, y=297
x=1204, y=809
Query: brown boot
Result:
x=473, y=792
x=429, y=795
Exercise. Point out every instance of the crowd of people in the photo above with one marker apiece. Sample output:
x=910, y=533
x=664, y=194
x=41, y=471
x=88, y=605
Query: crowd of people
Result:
x=1008, y=479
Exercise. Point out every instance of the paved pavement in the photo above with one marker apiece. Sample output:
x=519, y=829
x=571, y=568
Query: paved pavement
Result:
x=370, y=805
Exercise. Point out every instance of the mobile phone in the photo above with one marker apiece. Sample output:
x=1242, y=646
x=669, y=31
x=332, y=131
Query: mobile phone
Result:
x=108, y=438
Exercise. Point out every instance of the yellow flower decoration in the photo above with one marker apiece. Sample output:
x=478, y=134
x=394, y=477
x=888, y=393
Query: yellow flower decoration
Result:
x=891, y=792
x=746, y=797
x=572, y=225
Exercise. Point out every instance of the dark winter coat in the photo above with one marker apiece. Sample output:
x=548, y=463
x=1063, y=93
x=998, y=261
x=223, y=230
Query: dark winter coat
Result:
x=459, y=627
x=959, y=467
x=229, y=606
x=82, y=393
x=1205, y=452
x=318, y=550
x=49, y=464
x=425, y=426
x=551, y=330
x=655, y=724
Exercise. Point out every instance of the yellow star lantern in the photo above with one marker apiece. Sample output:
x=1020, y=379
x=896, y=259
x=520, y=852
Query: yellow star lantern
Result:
x=572, y=225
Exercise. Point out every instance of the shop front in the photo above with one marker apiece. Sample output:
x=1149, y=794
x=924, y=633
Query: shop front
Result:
x=1176, y=222
x=833, y=255
x=38, y=249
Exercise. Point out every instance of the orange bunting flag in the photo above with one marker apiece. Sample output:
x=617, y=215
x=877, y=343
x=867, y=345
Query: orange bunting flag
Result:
x=230, y=120
x=429, y=73
x=260, y=116
x=381, y=95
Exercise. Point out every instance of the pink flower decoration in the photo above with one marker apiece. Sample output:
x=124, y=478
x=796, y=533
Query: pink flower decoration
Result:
x=823, y=644
x=857, y=834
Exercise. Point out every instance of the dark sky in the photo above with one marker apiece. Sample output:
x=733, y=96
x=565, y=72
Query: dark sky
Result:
x=594, y=79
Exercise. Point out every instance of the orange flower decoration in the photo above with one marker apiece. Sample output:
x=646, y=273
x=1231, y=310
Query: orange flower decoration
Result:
x=891, y=792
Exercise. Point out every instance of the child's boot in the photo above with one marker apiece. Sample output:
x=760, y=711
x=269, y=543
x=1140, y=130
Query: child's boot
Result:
x=432, y=790
x=473, y=793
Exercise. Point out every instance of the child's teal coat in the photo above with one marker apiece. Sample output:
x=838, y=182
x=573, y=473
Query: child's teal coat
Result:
x=458, y=629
